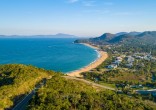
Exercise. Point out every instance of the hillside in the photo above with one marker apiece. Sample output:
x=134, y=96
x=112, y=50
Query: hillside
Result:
x=105, y=37
x=18, y=80
x=59, y=92
x=64, y=94
x=108, y=38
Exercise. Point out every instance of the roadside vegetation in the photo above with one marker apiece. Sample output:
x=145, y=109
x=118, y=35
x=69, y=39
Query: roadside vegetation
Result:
x=60, y=93
x=136, y=69
x=64, y=94
x=16, y=81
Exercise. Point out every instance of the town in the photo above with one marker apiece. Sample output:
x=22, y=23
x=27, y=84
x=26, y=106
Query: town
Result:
x=130, y=59
x=129, y=71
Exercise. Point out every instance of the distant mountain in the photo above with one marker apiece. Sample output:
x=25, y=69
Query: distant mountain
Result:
x=2, y=36
x=134, y=33
x=121, y=38
x=105, y=37
x=148, y=34
x=60, y=35
x=108, y=38
x=121, y=33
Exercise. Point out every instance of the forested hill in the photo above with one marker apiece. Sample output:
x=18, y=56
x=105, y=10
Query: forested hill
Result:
x=18, y=80
x=108, y=38
x=60, y=93
x=66, y=94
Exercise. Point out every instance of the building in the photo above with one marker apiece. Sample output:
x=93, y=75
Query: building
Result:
x=147, y=58
x=138, y=57
x=129, y=65
x=117, y=61
x=112, y=66
x=130, y=59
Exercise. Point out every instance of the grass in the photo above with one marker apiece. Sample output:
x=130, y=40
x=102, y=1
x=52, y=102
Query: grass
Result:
x=107, y=84
x=128, y=77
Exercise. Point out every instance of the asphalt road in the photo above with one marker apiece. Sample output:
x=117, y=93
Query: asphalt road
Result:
x=21, y=105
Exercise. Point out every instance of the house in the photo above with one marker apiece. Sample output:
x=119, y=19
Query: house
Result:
x=147, y=58
x=138, y=57
x=112, y=66
x=153, y=59
x=123, y=56
x=129, y=65
x=137, y=86
x=130, y=59
x=116, y=62
x=119, y=59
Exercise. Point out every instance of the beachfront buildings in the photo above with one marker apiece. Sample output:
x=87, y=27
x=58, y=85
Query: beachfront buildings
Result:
x=116, y=63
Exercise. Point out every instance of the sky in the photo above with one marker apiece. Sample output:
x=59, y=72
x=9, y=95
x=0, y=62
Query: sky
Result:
x=76, y=17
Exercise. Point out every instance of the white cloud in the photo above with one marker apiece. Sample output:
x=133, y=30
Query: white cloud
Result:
x=109, y=3
x=73, y=1
x=89, y=3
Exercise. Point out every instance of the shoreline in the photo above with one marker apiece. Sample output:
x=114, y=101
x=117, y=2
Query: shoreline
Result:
x=101, y=57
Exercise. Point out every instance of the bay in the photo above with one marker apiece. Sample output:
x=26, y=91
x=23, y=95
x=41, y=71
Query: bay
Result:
x=48, y=53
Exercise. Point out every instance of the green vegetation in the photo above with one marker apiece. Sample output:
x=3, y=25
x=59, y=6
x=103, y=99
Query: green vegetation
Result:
x=131, y=64
x=60, y=93
x=18, y=80
x=141, y=75
x=64, y=94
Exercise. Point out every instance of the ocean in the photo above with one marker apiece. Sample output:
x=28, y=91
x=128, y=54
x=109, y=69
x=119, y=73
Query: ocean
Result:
x=49, y=53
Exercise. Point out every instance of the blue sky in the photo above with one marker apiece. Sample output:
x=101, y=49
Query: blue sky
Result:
x=78, y=17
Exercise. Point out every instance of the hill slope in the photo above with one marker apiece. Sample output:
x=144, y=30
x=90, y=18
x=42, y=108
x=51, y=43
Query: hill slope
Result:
x=108, y=38
x=59, y=93
x=17, y=80
x=64, y=94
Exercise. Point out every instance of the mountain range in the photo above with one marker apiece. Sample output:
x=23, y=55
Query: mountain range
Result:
x=59, y=35
x=108, y=38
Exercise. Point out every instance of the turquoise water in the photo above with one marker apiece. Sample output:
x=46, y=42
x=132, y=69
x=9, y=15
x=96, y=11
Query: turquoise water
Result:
x=52, y=54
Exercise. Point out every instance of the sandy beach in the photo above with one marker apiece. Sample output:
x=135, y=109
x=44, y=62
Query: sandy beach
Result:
x=102, y=57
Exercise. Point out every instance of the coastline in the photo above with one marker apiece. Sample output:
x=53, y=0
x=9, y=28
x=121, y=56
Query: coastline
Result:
x=101, y=57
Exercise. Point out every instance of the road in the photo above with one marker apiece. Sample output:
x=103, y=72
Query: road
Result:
x=90, y=83
x=22, y=104
x=146, y=92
